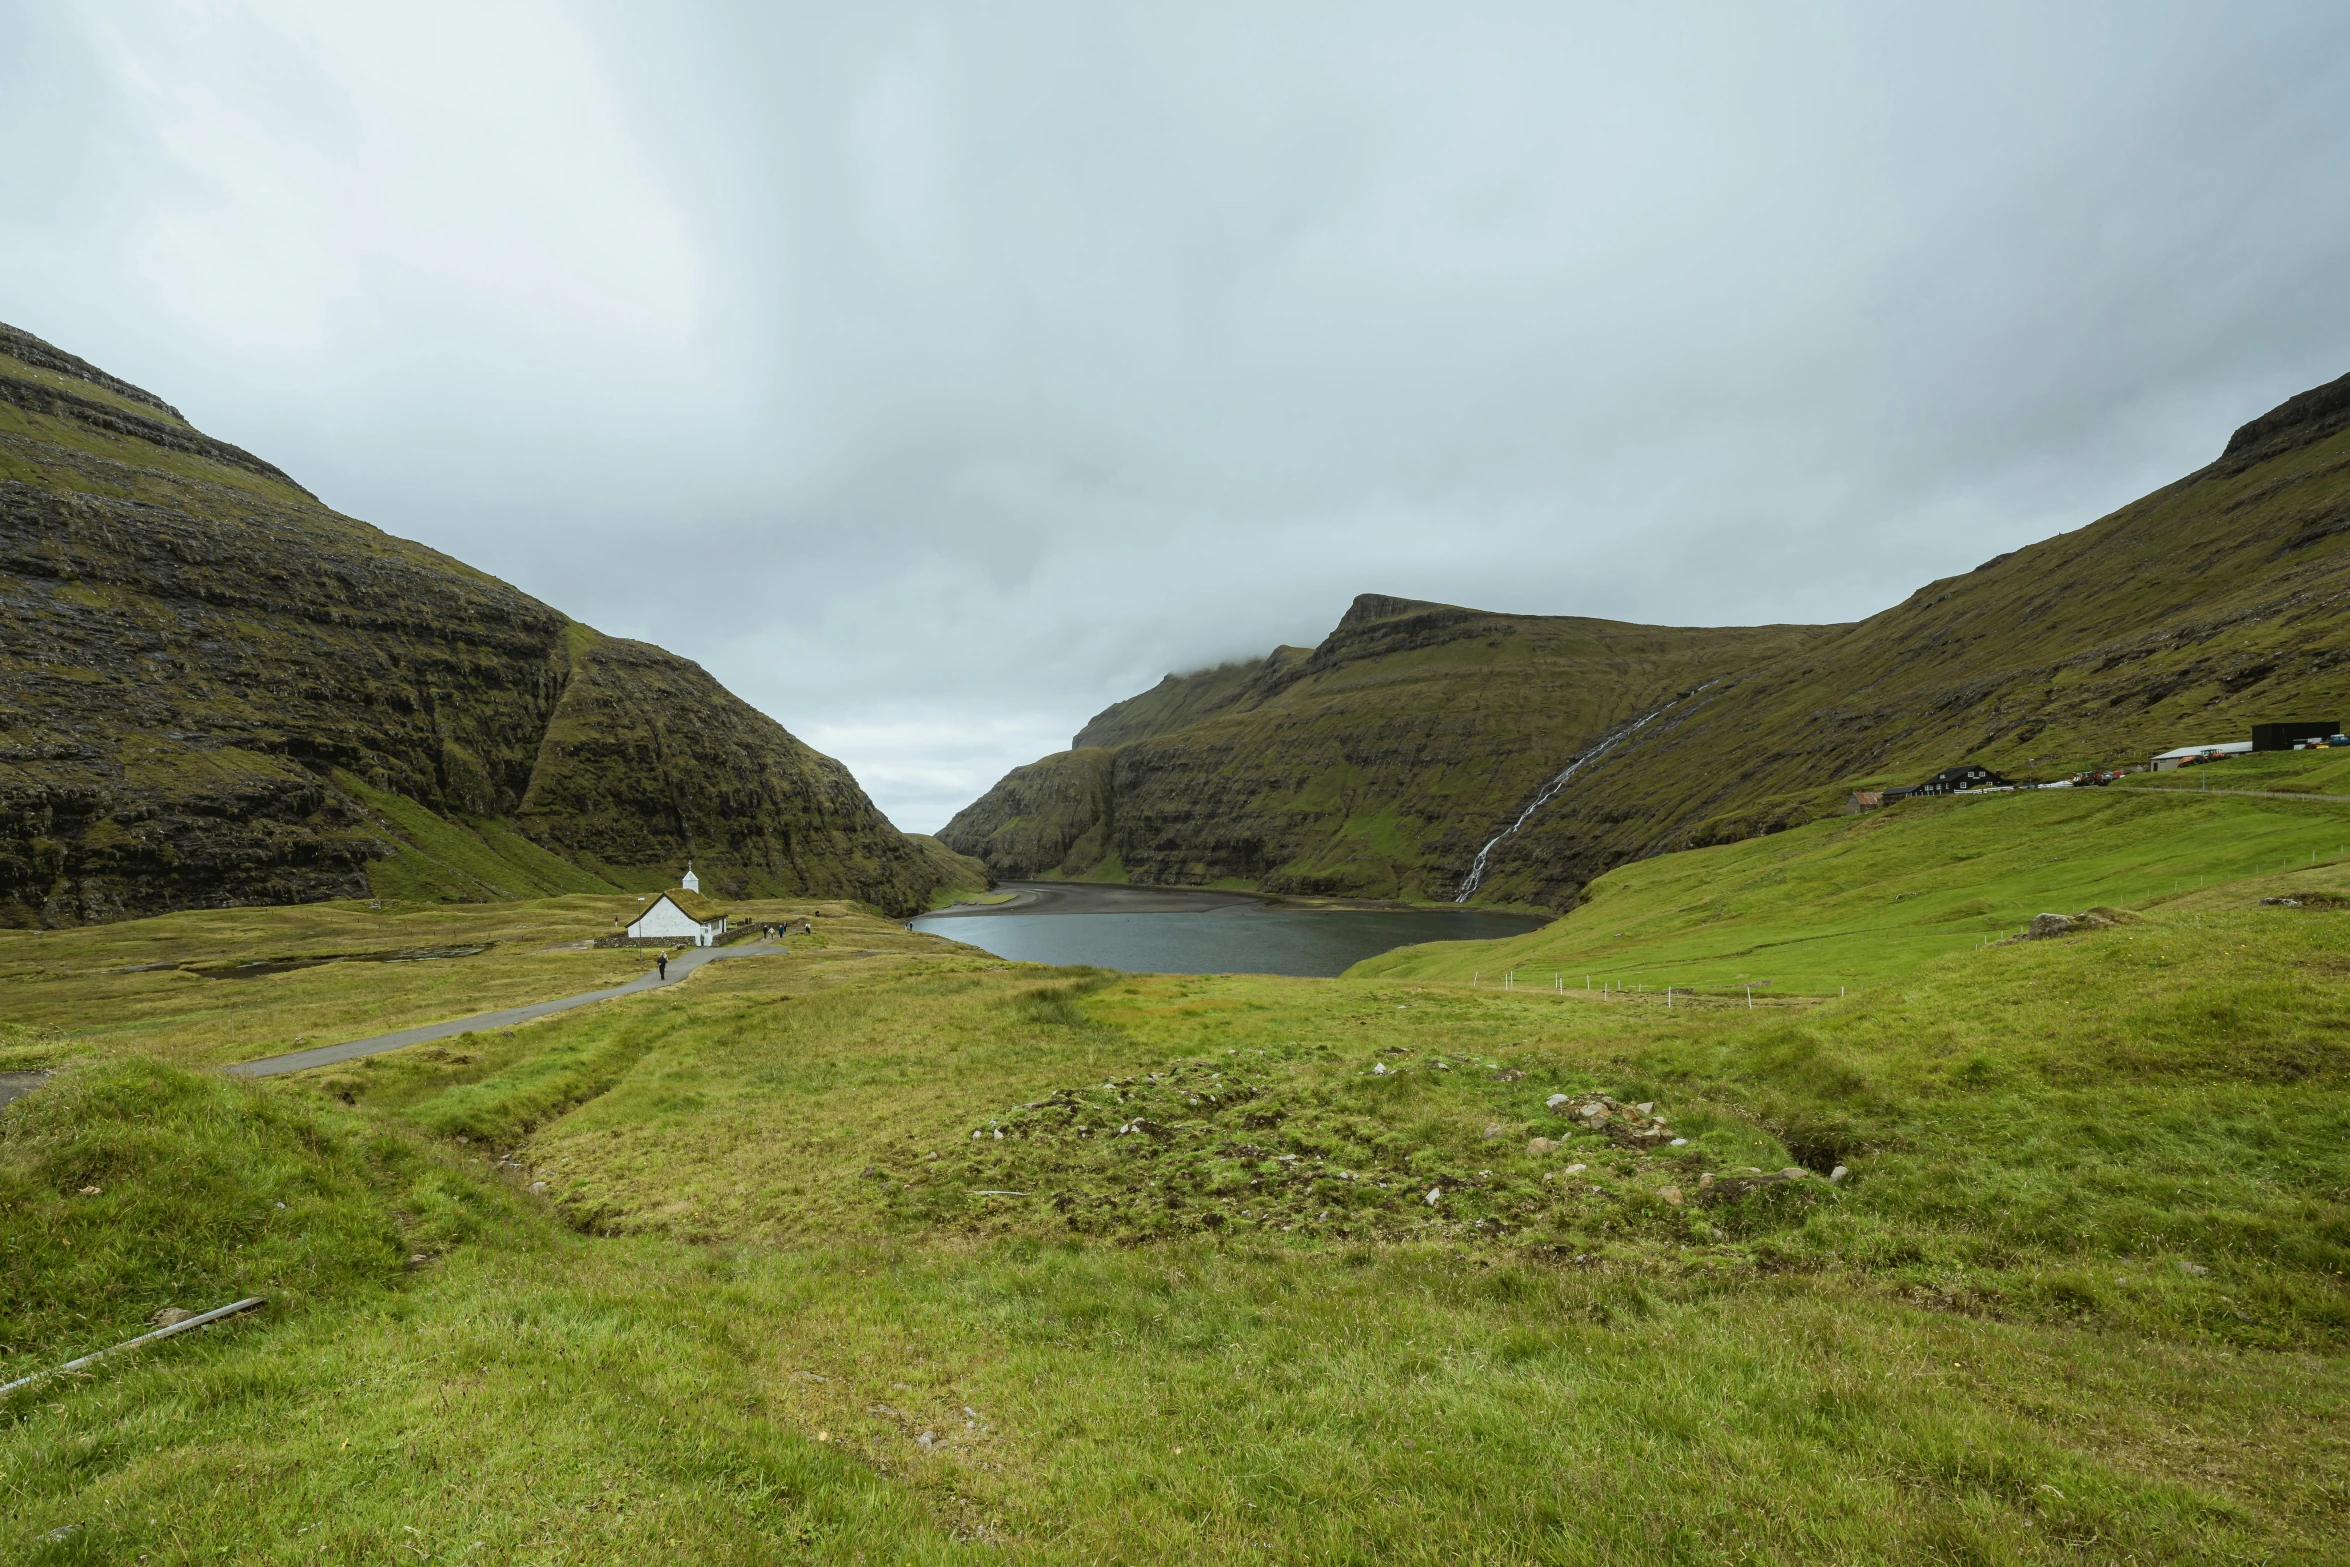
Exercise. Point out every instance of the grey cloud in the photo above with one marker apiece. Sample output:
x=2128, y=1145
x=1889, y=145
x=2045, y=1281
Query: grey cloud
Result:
x=937, y=376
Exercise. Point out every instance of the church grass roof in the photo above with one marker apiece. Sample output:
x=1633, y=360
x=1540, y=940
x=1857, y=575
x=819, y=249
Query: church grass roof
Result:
x=696, y=906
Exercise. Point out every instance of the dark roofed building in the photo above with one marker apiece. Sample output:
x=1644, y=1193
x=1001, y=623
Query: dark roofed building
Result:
x=1950, y=780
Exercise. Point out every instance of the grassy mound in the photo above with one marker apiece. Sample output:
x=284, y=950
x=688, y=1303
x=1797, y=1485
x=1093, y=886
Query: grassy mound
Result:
x=130, y=1186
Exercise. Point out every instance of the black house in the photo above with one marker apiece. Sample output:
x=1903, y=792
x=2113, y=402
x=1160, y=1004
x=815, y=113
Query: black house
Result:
x=2280, y=737
x=1952, y=779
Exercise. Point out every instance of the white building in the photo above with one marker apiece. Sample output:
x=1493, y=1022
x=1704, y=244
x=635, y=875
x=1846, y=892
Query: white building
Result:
x=681, y=915
x=690, y=882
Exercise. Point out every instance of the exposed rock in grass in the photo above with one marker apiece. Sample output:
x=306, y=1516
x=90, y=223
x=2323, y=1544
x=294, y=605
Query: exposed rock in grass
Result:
x=1217, y=1148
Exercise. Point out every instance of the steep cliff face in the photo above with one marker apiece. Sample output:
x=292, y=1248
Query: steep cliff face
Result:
x=1049, y=819
x=1417, y=733
x=215, y=690
x=647, y=761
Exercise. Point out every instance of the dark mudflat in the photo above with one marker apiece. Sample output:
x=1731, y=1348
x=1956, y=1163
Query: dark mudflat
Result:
x=1077, y=897
x=1083, y=897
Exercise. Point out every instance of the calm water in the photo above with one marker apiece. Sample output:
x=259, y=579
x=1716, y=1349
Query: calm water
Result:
x=1223, y=941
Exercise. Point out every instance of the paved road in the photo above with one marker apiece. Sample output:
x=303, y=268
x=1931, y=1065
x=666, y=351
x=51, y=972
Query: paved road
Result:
x=352, y=1049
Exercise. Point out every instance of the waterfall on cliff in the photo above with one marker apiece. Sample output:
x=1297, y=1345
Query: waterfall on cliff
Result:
x=1549, y=791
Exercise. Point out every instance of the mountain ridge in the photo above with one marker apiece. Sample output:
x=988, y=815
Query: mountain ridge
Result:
x=2089, y=649
x=214, y=689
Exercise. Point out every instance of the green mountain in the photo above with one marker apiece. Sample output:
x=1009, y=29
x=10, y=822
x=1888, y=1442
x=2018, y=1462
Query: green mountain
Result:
x=1372, y=764
x=1382, y=762
x=215, y=690
x=1179, y=700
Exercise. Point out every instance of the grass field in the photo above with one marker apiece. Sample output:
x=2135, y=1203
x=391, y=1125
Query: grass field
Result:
x=212, y=986
x=1859, y=900
x=886, y=1250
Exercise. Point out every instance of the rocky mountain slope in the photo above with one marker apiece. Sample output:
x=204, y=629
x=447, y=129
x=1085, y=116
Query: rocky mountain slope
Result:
x=1417, y=733
x=1369, y=765
x=215, y=690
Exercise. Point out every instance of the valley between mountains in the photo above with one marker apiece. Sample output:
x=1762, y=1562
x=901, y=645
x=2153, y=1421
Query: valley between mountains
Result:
x=1961, y=1180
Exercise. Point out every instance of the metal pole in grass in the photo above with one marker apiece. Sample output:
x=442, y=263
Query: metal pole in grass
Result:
x=181, y=1326
x=1750, y=998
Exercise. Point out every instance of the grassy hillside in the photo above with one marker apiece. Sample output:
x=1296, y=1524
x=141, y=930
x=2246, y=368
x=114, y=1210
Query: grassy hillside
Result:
x=953, y=876
x=196, y=659
x=885, y=1249
x=2206, y=607
x=1051, y=818
x=1858, y=900
x=1417, y=732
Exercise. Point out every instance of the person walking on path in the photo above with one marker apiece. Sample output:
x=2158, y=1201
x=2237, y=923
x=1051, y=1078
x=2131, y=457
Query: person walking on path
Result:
x=663, y=961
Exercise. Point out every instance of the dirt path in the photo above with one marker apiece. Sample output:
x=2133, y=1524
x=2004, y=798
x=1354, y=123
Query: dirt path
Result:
x=352, y=1049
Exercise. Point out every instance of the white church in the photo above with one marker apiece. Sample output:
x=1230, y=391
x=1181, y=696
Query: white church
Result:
x=681, y=915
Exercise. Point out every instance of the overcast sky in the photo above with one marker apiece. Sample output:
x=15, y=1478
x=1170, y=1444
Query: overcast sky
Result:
x=936, y=375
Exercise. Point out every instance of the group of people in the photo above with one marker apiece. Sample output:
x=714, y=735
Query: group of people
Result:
x=805, y=927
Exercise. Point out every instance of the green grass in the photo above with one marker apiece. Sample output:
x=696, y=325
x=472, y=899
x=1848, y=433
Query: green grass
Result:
x=171, y=987
x=1858, y=900
x=479, y=858
x=204, y=1191
x=2081, y=1297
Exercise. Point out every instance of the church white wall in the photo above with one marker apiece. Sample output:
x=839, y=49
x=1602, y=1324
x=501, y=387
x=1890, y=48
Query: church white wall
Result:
x=667, y=921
